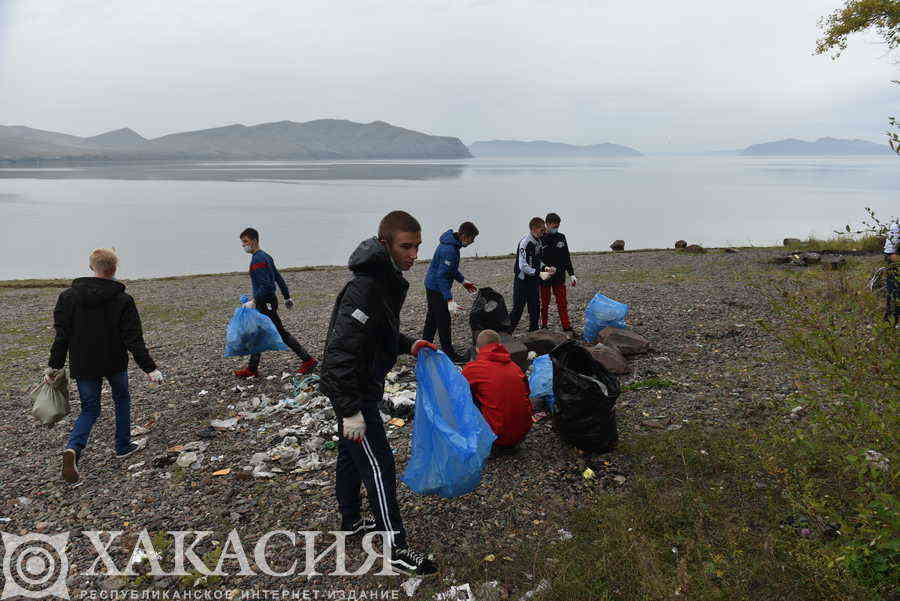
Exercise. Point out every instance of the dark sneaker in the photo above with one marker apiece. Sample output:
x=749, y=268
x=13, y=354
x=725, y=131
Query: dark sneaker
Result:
x=407, y=561
x=136, y=446
x=70, y=466
x=359, y=528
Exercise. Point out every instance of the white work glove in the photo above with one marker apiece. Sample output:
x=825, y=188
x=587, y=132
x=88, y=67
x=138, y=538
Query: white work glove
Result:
x=574, y=281
x=51, y=374
x=289, y=303
x=156, y=377
x=354, y=427
x=453, y=307
x=250, y=304
x=546, y=274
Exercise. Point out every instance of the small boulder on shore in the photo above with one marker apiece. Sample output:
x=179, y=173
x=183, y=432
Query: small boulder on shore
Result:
x=792, y=241
x=680, y=244
x=543, y=341
x=731, y=250
x=610, y=358
x=625, y=341
x=695, y=248
x=811, y=258
x=834, y=262
x=518, y=352
x=618, y=245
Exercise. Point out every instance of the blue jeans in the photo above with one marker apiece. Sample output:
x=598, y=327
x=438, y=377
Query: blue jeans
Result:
x=89, y=391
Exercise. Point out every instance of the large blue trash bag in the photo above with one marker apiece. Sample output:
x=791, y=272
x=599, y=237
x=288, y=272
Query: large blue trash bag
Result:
x=602, y=312
x=250, y=332
x=450, y=438
x=540, y=382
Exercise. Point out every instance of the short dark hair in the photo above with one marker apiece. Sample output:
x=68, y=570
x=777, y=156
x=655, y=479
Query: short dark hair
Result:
x=467, y=228
x=397, y=221
x=250, y=233
x=535, y=222
x=552, y=218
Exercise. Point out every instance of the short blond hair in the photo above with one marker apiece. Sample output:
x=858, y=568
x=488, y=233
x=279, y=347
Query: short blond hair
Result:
x=104, y=260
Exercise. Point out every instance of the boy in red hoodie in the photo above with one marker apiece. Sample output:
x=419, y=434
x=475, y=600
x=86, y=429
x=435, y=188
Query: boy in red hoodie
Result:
x=500, y=390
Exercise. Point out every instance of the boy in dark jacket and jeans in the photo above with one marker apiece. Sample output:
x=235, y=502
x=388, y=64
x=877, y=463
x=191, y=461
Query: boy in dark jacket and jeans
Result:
x=264, y=276
x=97, y=324
x=444, y=269
x=363, y=343
x=556, y=254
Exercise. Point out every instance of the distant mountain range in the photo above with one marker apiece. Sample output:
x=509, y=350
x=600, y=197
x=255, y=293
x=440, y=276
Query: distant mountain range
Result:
x=542, y=148
x=822, y=146
x=320, y=139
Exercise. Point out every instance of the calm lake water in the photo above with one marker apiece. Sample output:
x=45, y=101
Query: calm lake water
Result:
x=172, y=219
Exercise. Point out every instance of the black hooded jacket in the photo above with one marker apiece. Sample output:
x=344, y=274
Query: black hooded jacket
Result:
x=556, y=254
x=97, y=323
x=364, y=336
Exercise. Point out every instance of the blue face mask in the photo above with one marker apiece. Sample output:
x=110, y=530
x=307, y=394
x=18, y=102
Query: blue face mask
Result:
x=553, y=230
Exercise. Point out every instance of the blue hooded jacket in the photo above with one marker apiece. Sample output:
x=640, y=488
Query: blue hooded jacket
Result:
x=444, y=266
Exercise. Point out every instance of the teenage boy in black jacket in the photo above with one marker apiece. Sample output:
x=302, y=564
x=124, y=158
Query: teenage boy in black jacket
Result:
x=527, y=270
x=555, y=253
x=363, y=343
x=96, y=324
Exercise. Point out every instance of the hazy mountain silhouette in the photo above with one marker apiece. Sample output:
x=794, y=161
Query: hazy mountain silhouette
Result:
x=822, y=146
x=542, y=148
x=320, y=139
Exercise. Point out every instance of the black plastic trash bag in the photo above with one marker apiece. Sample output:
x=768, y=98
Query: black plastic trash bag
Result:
x=586, y=394
x=489, y=312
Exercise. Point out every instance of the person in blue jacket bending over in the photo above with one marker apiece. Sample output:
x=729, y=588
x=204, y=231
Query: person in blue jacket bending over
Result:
x=443, y=270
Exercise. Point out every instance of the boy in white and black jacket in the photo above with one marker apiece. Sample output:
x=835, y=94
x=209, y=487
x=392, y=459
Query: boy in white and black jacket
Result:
x=527, y=270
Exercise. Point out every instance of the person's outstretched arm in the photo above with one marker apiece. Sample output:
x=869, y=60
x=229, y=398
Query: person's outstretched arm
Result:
x=349, y=336
x=133, y=337
x=282, y=285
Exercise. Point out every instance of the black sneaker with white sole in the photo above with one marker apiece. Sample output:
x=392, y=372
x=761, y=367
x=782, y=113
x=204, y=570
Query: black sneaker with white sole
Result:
x=136, y=446
x=407, y=561
x=70, y=467
x=359, y=528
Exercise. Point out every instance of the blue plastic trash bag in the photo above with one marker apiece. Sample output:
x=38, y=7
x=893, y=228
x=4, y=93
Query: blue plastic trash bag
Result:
x=250, y=332
x=450, y=438
x=602, y=312
x=541, y=383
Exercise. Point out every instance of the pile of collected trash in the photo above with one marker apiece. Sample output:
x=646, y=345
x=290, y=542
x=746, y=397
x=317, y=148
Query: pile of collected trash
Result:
x=302, y=446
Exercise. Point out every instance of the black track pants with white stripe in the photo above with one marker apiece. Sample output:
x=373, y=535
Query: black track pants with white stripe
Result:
x=371, y=463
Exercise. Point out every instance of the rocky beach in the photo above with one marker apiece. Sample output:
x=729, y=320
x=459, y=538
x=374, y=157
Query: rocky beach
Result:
x=711, y=363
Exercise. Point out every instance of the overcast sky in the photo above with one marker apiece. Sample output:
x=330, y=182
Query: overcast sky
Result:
x=657, y=75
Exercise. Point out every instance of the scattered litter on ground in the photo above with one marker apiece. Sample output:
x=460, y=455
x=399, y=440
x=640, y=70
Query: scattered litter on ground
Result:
x=223, y=472
x=463, y=592
x=203, y=393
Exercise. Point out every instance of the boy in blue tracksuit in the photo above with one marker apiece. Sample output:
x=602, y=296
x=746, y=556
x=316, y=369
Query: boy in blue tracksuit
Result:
x=264, y=277
x=443, y=270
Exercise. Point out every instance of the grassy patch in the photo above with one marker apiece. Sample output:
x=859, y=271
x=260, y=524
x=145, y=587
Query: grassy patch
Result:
x=18, y=284
x=841, y=243
x=651, y=383
x=780, y=508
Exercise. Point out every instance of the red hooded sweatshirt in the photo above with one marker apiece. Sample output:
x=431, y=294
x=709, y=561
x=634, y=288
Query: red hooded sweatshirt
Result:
x=501, y=391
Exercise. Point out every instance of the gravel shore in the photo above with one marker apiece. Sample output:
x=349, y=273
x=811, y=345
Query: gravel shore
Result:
x=699, y=311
